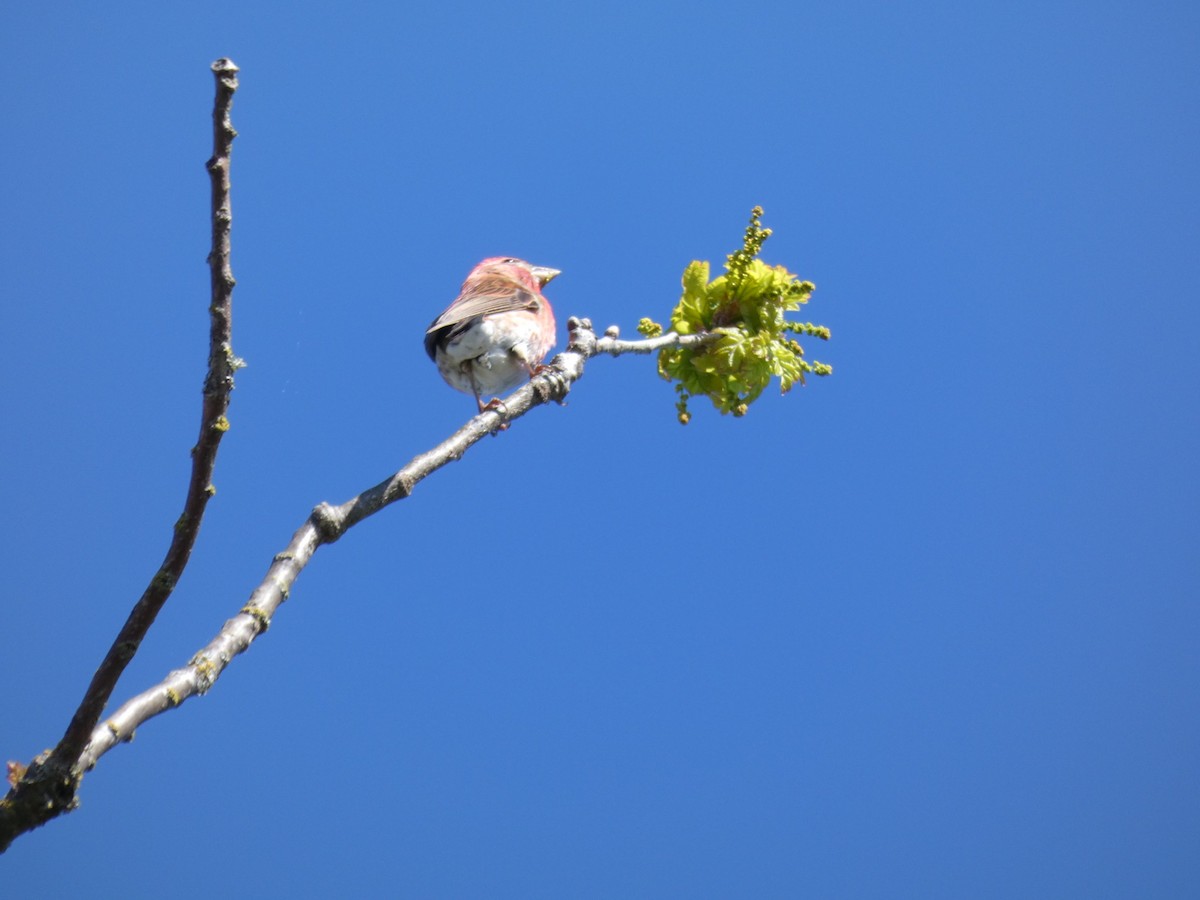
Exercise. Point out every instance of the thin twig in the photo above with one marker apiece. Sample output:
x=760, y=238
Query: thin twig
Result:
x=612, y=344
x=49, y=785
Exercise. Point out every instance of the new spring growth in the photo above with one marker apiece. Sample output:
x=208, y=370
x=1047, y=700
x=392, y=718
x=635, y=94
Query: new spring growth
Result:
x=747, y=307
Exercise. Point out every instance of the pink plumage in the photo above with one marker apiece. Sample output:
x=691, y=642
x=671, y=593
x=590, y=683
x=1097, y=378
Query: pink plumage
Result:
x=498, y=329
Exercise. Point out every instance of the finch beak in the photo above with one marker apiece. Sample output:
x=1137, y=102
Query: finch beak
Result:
x=543, y=274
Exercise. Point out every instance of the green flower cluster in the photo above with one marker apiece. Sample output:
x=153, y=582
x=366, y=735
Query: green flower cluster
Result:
x=745, y=310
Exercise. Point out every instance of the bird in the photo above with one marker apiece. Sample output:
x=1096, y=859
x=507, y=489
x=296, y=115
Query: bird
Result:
x=497, y=331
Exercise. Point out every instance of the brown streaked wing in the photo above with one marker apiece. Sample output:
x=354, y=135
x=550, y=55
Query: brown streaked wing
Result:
x=492, y=292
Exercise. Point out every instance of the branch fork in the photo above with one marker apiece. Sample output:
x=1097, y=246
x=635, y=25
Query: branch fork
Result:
x=49, y=785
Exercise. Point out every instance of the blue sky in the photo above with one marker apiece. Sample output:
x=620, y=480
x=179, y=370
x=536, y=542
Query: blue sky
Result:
x=927, y=628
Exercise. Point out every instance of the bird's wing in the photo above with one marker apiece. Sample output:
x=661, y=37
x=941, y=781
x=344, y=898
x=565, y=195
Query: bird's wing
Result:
x=490, y=293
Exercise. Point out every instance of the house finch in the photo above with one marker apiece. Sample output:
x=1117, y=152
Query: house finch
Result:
x=498, y=329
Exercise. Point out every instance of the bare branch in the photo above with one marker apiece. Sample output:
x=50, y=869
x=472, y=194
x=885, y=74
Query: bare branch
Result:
x=213, y=424
x=327, y=523
x=49, y=785
x=612, y=344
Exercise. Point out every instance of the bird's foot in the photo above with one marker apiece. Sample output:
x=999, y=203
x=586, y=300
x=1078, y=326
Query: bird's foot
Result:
x=497, y=406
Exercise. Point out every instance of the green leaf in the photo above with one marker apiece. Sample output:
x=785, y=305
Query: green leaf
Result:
x=748, y=307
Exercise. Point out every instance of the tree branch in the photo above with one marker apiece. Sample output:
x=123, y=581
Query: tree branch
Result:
x=48, y=787
x=612, y=344
x=327, y=523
